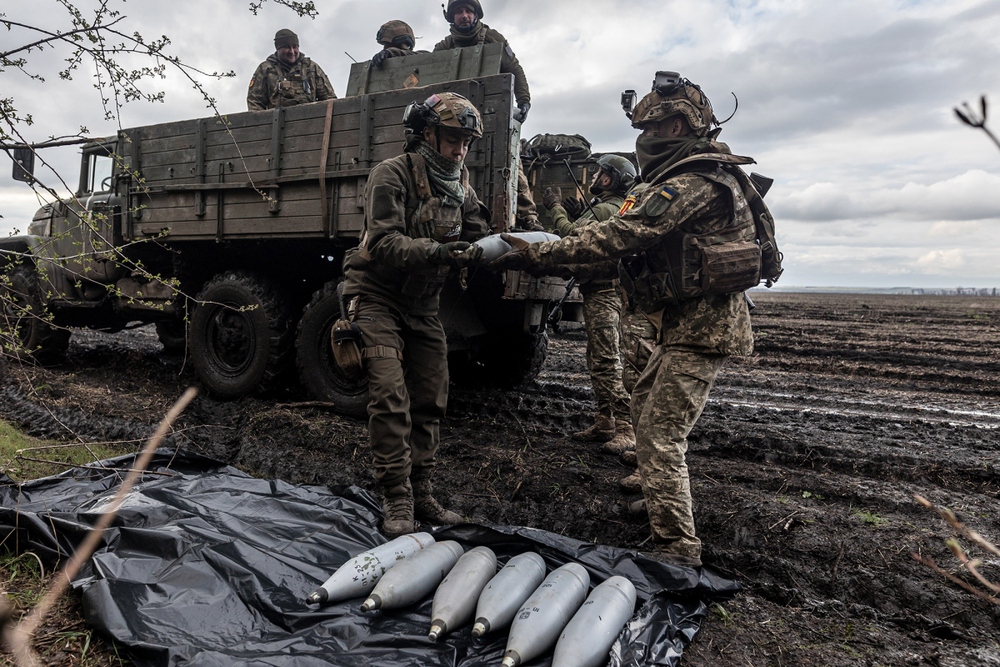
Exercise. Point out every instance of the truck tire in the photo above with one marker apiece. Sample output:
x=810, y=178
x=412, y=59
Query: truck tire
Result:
x=512, y=360
x=314, y=359
x=240, y=334
x=32, y=336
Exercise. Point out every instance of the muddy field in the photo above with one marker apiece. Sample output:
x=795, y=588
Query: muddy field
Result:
x=803, y=467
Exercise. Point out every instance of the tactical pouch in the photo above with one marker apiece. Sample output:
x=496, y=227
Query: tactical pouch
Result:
x=345, y=341
x=731, y=267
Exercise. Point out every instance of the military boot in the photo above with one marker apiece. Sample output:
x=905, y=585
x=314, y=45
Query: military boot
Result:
x=632, y=483
x=629, y=458
x=602, y=430
x=624, y=440
x=397, y=510
x=426, y=508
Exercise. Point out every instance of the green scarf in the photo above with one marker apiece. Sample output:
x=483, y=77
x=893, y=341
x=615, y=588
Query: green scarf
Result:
x=656, y=155
x=468, y=38
x=444, y=174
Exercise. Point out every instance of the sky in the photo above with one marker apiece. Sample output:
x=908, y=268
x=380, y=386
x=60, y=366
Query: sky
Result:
x=847, y=104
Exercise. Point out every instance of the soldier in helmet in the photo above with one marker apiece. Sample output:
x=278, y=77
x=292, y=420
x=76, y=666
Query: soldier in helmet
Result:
x=420, y=216
x=287, y=77
x=602, y=306
x=467, y=29
x=669, y=241
x=397, y=39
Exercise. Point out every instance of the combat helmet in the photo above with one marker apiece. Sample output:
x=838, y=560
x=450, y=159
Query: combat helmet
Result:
x=673, y=95
x=396, y=33
x=621, y=170
x=449, y=110
x=449, y=12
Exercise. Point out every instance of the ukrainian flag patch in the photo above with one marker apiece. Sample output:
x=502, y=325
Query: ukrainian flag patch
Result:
x=658, y=203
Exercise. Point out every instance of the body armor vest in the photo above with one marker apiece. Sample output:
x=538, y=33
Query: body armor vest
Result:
x=686, y=266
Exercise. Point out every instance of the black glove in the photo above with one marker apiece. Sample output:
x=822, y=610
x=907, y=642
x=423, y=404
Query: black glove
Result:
x=380, y=58
x=574, y=207
x=457, y=253
x=522, y=112
x=551, y=197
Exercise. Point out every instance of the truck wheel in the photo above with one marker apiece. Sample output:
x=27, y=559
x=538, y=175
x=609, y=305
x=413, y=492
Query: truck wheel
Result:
x=25, y=329
x=240, y=334
x=511, y=360
x=317, y=370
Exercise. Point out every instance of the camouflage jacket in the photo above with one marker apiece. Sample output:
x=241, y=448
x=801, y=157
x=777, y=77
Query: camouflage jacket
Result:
x=275, y=84
x=404, y=224
x=592, y=277
x=717, y=324
x=508, y=61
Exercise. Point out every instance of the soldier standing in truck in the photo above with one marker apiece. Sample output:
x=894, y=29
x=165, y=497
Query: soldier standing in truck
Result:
x=397, y=39
x=420, y=216
x=468, y=29
x=287, y=77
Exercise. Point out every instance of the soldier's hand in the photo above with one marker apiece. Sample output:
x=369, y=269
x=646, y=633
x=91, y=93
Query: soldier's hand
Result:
x=516, y=259
x=551, y=197
x=574, y=206
x=457, y=253
x=380, y=58
x=522, y=112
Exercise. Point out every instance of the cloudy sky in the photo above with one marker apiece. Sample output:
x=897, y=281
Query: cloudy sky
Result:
x=847, y=104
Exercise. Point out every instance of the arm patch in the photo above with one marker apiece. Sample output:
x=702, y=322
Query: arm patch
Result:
x=510, y=51
x=658, y=202
x=383, y=201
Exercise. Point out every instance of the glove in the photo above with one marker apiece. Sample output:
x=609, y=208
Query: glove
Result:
x=574, y=207
x=516, y=259
x=522, y=112
x=380, y=58
x=551, y=197
x=457, y=253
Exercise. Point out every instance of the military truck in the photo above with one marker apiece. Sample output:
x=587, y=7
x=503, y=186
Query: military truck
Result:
x=228, y=233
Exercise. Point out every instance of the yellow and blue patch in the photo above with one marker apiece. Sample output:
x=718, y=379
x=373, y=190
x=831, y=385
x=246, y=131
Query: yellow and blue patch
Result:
x=659, y=201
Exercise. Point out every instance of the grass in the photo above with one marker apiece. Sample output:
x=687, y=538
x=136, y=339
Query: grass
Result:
x=64, y=638
x=24, y=458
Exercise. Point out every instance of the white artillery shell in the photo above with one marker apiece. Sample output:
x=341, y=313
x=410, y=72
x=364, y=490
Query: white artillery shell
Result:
x=415, y=577
x=358, y=576
x=589, y=635
x=507, y=591
x=456, y=597
x=494, y=247
x=538, y=623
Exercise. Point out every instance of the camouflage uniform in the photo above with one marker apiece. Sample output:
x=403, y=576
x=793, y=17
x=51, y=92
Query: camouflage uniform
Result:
x=694, y=336
x=276, y=84
x=527, y=211
x=398, y=284
x=601, y=313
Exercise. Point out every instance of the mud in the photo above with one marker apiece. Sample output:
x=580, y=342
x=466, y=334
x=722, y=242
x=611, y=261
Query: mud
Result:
x=804, y=465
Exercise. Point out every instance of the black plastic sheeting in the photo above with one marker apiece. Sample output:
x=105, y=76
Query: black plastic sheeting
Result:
x=206, y=565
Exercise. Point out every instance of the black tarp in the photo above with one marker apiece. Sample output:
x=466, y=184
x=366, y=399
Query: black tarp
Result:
x=206, y=565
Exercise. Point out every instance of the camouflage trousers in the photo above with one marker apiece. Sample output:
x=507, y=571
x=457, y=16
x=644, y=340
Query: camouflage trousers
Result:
x=638, y=339
x=408, y=396
x=666, y=403
x=601, y=313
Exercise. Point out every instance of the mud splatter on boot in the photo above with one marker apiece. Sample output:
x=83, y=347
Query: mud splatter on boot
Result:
x=602, y=430
x=426, y=508
x=397, y=510
x=624, y=440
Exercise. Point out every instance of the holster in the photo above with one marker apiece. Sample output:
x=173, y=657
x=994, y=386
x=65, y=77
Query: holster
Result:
x=345, y=341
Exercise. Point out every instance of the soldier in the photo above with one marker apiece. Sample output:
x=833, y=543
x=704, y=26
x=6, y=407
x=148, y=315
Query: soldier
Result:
x=467, y=29
x=602, y=306
x=420, y=215
x=397, y=39
x=287, y=77
x=693, y=212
